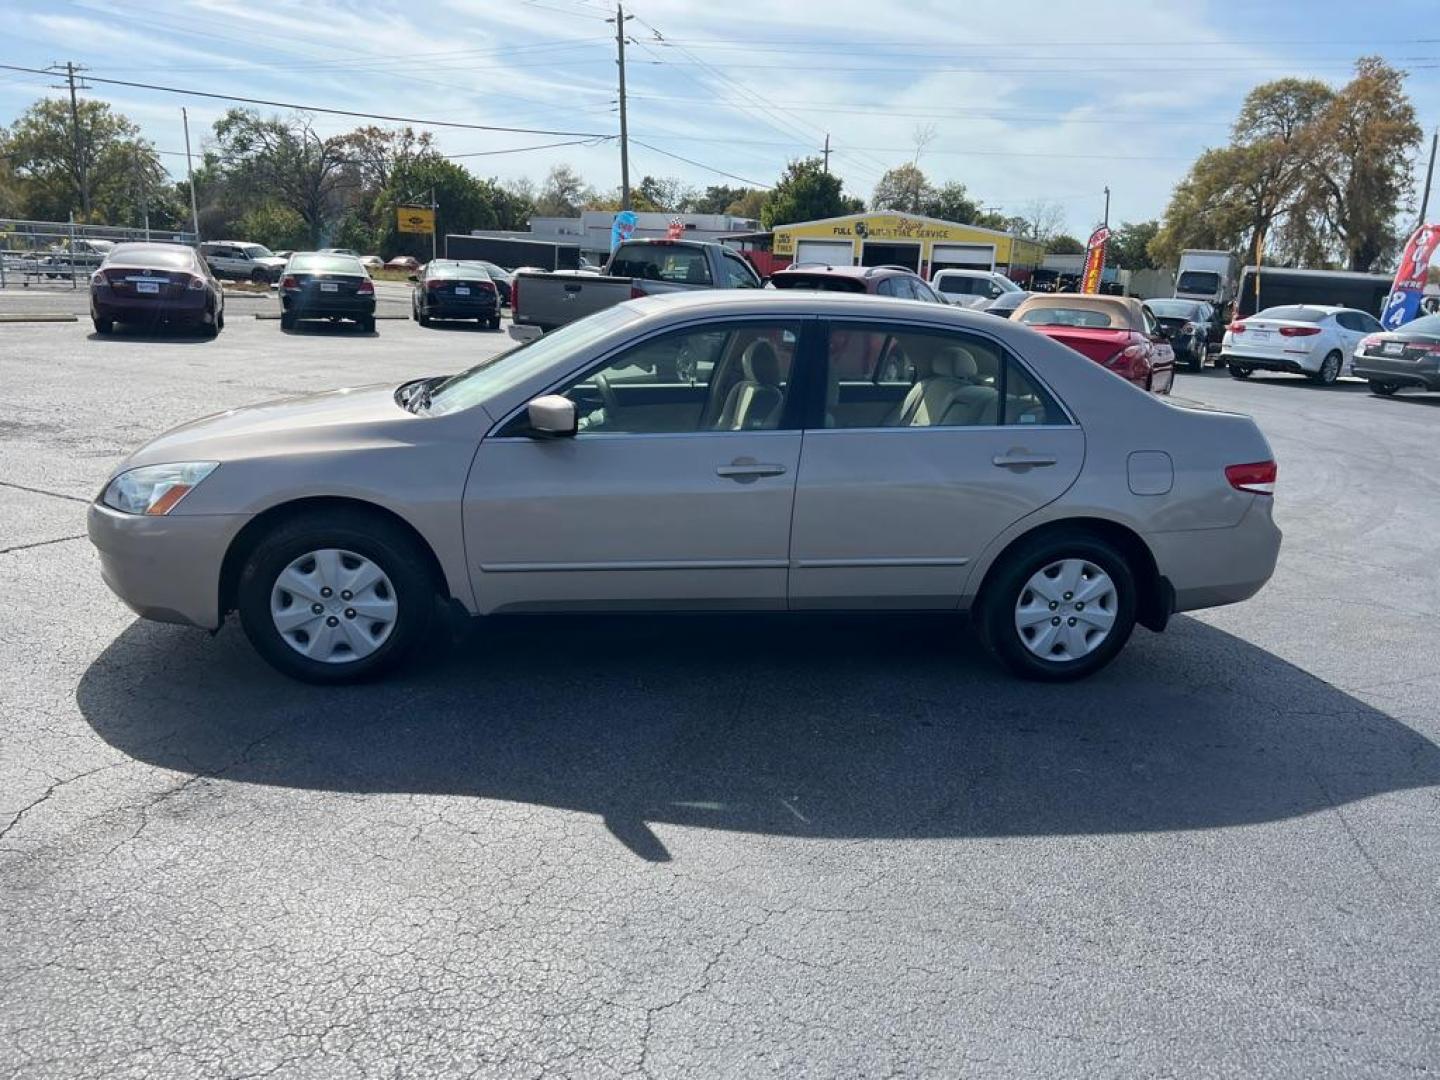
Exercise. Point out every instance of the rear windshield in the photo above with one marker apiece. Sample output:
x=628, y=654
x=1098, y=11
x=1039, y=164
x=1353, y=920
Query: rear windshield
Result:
x=1429, y=325
x=1174, y=309
x=1198, y=281
x=160, y=258
x=1292, y=314
x=326, y=264
x=964, y=286
x=821, y=282
x=1063, y=316
x=661, y=262
x=456, y=270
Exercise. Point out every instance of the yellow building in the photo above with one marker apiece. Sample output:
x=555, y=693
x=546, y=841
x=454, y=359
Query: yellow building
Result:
x=923, y=244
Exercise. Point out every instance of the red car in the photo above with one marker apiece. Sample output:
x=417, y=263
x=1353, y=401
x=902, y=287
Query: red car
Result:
x=154, y=284
x=1117, y=332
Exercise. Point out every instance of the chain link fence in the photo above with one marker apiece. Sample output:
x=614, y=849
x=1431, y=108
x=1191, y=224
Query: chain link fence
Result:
x=62, y=252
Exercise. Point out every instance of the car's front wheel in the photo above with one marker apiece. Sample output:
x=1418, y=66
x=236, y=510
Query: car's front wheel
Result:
x=337, y=597
x=1060, y=607
x=1384, y=389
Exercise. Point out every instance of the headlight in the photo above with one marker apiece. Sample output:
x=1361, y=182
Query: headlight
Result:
x=155, y=489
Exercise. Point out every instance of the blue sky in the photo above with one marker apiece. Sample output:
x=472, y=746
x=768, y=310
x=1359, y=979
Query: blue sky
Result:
x=1029, y=101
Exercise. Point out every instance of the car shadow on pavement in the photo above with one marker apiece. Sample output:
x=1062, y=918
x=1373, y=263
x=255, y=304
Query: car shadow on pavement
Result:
x=827, y=727
x=149, y=335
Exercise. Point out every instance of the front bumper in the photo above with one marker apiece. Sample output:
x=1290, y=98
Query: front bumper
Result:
x=1424, y=373
x=164, y=568
x=1211, y=567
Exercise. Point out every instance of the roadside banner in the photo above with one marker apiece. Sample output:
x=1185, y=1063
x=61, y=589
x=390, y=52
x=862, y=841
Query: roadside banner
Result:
x=415, y=219
x=1094, y=260
x=1403, y=303
x=622, y=227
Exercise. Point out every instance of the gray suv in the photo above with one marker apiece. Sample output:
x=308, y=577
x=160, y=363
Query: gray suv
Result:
x=240, y=261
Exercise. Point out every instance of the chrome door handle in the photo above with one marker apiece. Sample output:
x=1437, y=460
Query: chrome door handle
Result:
x=1022, y=461
x=749, y=470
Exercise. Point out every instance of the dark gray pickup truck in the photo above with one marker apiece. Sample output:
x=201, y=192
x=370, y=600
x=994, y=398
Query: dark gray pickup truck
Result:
x=636, y=268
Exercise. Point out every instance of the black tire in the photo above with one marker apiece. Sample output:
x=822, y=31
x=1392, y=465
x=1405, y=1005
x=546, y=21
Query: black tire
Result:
x=1330, y=369
x=104, y=326
x=493, y=322
x=367, y=324
x=259, y=277
x=287, y=321
x=1240, y=371
x=385, y=544
x=1384, y=389
x=422, y=318
x=220, y=320
x=995, y=609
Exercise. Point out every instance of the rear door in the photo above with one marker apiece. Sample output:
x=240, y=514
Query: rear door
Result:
x=890, y=509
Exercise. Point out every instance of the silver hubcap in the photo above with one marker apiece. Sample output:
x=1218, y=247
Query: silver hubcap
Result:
x=333, y=606
x=1066, y=610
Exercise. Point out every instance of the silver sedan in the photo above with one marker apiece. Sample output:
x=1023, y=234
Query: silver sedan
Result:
x=718, y=450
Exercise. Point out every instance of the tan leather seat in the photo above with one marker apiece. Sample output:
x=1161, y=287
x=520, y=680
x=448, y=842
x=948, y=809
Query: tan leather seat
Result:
x=947, y=393
x=754, y=403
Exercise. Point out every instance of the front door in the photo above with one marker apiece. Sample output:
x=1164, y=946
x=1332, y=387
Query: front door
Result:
x=934, y=441
x=675, y=492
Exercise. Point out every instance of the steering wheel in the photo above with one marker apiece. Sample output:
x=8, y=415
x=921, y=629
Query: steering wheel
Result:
x=607, y=396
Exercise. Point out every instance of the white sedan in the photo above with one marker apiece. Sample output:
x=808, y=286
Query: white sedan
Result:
x=1303, y=339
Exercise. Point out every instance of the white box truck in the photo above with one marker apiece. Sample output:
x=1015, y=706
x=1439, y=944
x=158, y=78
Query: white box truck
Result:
x=1211, y=276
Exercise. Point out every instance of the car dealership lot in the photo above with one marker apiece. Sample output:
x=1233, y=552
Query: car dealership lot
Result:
x=712, y=846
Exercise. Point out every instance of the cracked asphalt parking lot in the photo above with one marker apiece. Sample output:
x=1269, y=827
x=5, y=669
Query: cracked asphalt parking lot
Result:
x=736, y=847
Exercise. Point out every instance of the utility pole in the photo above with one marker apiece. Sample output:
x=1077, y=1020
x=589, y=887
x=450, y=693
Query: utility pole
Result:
x=190, y=171
x=827, y=152
x=434, y=226
x=1429, y=175
x=82, y=173
x=619, y=21
x=1107, y=206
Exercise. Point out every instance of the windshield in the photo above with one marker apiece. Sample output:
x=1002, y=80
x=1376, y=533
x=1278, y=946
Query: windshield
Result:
x=1063, y=316
x=512, y=367
x=257, y=251
x=1429, y=326
x=1199, y=281
x=1174, y=309
x=1292, y=314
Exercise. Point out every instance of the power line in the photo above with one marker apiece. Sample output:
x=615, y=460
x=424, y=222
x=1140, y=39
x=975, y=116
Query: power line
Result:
x=700, y=165
x=321, y=108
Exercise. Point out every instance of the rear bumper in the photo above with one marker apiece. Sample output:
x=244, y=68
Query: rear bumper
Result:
x=1424, y=373
x=463, y=309
x=1299, y=364
x=164, y=568
x=192, y=306
x=1211, y=567
x=313, y=307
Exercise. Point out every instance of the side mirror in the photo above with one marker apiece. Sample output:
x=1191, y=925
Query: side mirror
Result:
x=552, y=416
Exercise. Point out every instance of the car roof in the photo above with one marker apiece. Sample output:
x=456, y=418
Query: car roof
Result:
x=844, y=271
x=957, y=271
x=780, y=303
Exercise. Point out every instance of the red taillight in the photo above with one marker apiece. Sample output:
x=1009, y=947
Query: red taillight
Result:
x=366, y=288
x=514, y=295
x=1298, y=331
x=99, y=280
x=1258, y=477
x=434, y=283
x=1370, y=342
x=1237, y=327
x=1130, y=361
x=289, y=281
x=636, y=293
x=487, y=286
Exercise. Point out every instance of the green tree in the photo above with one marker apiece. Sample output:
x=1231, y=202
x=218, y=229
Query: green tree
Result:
x=715, y=199
x=951, y=202
x=1363, y=163
x=100, y=169
x=904, y=188
x=563, y=193
x=1064, y=244
x=463, y=203
x=804, y=192
x=284, y=161
x=663, y=193
x=749, y=205
x=1129, y=245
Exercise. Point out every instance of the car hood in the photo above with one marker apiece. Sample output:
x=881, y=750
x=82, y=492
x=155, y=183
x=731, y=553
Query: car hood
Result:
x=349, y=415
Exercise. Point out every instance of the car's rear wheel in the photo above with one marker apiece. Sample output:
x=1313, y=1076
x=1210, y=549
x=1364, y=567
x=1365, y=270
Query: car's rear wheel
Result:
x=367, y=324
x=1329, y=370
x=1384, y=389
x=287, y=321
x=107, y=326
x=337, y=597
x=1240, y=371
x=1060, y=607
x=493, y=322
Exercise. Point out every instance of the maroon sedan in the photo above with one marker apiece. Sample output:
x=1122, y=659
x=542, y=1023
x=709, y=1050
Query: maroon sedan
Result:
x=154, y=284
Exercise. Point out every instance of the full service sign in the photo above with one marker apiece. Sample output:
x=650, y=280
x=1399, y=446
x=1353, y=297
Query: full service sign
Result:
x=1403, y=303
x=415, y=219
x=889, y=227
